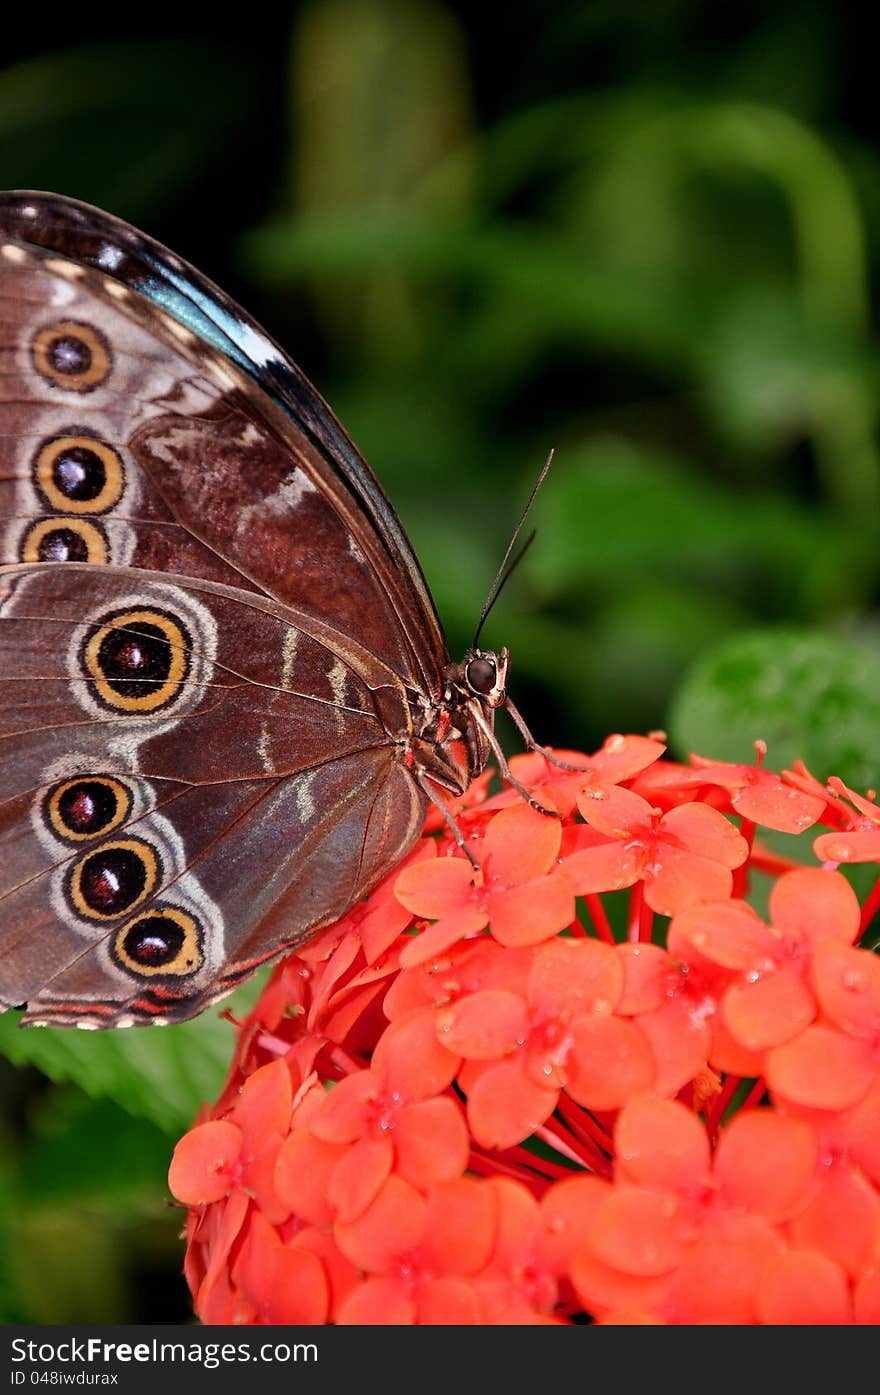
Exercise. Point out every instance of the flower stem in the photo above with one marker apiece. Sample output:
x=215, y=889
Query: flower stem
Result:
x=869, y=910
x=599, y=918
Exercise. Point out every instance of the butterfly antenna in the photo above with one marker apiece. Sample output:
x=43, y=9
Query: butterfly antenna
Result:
x=504, y=573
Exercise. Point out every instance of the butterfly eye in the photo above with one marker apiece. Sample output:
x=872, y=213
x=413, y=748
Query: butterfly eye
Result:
x=482, y=676
x=162, y=941
x=87, y=806
x=72, y=355
x=113, y=879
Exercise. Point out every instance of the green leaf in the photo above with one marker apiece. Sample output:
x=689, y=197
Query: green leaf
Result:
x=807, y=694
x=93, y=1153
x=163, y=1074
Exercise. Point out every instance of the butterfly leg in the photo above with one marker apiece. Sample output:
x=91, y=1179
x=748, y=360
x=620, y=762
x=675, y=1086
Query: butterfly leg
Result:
x=506, y=773
x=533, y=745
x=451, y=821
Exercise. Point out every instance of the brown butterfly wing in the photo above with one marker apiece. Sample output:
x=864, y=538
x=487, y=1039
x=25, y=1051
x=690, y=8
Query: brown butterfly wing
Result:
x=202, y=711
x=167, y=833
x=164, y=452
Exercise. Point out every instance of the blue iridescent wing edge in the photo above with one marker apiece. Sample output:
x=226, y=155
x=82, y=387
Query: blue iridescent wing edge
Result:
x=91, y=237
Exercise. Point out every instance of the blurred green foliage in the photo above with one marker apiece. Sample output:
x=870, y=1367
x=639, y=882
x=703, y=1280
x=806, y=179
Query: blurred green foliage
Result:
x=640, y=234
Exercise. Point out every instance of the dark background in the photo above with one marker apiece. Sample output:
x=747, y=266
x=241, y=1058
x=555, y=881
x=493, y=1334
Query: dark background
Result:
x=642, y=234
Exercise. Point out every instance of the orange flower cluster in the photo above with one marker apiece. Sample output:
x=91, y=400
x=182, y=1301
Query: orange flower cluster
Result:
x=593, y=1082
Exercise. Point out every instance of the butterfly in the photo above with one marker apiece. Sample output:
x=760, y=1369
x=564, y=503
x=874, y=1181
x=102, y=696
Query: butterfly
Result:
x=226, y=700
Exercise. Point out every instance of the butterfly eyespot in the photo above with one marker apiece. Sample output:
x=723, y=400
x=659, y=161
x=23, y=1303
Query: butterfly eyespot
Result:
x=64, y=540
x=72, y=356
x=113, y=879
x=78, y=474
x=138, y=659
x=87, y=807
x=482, y=675
x=164, y=940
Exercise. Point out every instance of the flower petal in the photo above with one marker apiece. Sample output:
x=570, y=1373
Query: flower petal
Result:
x=438, y=938
x=707, y=832
x=680, y=879
x=359, y=1175
x=410, y=1059
x=640, y=1232
x=811, y=902
x=863, y=1124
x=647, y=970
x=565, y=1215
x=264, y=1105
x=602, y=1288
x=448, y=1301
x=679, y=1040
x=379, y=1302
x=346, y=1109
x=205, y=1162
x=520, y=845
x=483, y=1026
x=609, y=1063
x=624, y=757
x=662, y=1145
x=528, y=914
x=821, y=1068
x=436, y=886
x=841, y=1219
x=729, y=1056
x=766, y=1164
x=857, y=845
x=284, y=1285
x=461, y=1224
x=606, y=867
x=729, y=933
x=431, y=1141
x=575, y=977
x=302, y=1175
x=616, y=812
x=391, y=1226
x=773, y=803
x=804, y=1288
x=504, y=1106
x=866, y=1299
x=342, y=1277
x=717, y=1279
x=770, y=1009
x=848, y=987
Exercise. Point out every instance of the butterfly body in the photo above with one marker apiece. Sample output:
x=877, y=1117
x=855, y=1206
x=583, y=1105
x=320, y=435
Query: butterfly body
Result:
x=225, y=695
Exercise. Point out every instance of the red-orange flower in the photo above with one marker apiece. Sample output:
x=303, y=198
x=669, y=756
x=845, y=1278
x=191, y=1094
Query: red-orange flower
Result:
x=540, y=1110
x=393, y=1115
x=761, y=796
x=683, y=856
x=766, y=975
x=860, y=840
x=522, y=898
x=553, y=1027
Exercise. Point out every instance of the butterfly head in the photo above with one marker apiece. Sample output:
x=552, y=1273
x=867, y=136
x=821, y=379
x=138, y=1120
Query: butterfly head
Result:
x=484, y=676
x=458, y=727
